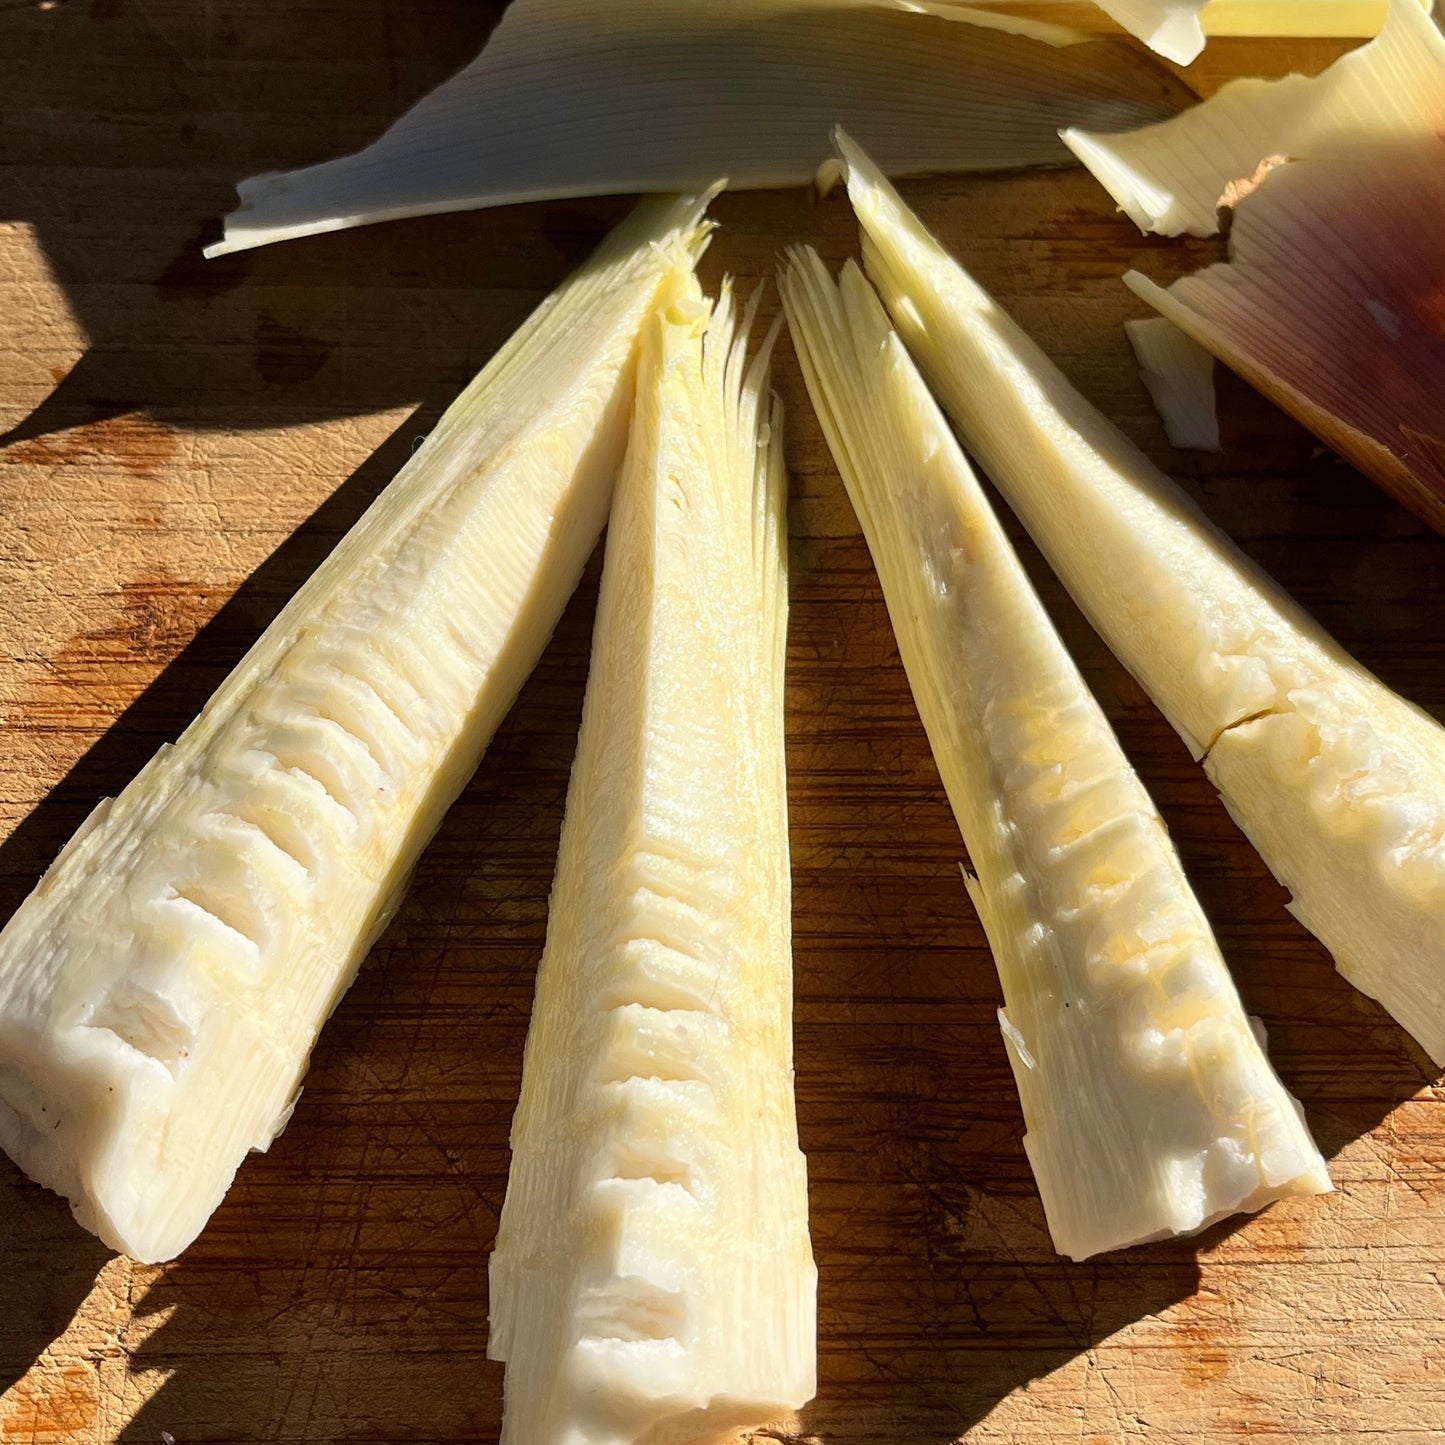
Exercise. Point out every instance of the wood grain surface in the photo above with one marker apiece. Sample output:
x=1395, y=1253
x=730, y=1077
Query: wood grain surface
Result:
x=187, y=439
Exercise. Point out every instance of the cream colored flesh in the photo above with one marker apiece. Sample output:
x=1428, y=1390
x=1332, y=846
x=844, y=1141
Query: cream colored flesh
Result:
x=161, y=988
x=652, y=1280
x=1338, y=782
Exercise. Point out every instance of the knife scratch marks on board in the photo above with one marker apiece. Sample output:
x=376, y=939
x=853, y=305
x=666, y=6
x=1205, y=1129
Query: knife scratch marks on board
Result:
x=54, y=1404
x=141, y=446
x=157, y=615
x=142, y=449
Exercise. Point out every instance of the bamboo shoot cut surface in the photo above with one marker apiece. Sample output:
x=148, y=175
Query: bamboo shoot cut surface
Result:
x=652, y=1279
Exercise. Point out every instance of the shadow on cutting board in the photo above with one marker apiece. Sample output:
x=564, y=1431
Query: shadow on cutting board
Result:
x=160, y=713
x=48, y=1265
x=127, y=128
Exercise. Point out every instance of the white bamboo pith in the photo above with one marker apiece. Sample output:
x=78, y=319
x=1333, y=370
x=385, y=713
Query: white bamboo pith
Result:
x=652, y=1278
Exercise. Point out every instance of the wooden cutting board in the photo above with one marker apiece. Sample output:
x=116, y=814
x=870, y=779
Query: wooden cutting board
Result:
x=190, y=438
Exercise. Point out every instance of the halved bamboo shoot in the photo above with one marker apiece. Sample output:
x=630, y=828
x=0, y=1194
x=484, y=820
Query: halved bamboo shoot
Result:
x=652, y=1279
